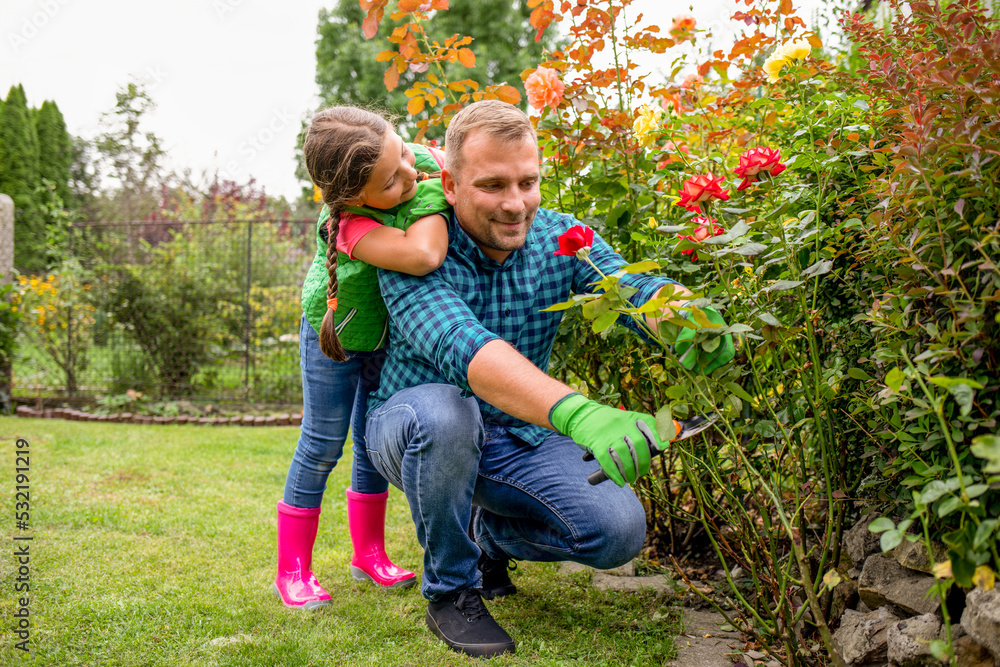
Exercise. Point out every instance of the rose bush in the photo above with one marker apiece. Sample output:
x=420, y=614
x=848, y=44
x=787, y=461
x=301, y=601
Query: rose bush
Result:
x=860, y=273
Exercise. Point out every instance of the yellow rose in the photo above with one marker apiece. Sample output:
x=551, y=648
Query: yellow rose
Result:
x=796, y=50
x=647, y=121
x=772, y=66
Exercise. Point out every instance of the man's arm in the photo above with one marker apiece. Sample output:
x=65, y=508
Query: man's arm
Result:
x=622, y=442
x=676, y=290
x=503, y=377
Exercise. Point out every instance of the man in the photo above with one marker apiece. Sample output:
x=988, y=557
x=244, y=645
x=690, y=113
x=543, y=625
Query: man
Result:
x=463, y=419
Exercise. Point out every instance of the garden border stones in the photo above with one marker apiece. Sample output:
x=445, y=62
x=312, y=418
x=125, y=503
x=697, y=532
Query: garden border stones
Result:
x=285, y=419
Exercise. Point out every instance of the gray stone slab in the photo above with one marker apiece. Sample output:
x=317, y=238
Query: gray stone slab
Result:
x=619, y=579
x=611, y=582
x=703, y=643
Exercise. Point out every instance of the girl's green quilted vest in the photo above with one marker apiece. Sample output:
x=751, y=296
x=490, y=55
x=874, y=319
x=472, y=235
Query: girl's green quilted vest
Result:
x=361, y=314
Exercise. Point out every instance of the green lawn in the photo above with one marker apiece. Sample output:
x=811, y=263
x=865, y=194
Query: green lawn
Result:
x=154, y=545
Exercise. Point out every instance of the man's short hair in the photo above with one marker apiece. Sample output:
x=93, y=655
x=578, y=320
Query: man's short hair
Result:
x=498, y=120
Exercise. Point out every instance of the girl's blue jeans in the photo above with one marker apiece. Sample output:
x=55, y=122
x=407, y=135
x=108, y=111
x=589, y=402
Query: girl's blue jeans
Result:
x=334, y=398
x=528, y=503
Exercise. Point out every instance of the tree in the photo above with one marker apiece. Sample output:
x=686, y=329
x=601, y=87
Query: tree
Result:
x=129, y=157
x=19, y=177
x=55, y=149
x=346, y=67
x=347, y=71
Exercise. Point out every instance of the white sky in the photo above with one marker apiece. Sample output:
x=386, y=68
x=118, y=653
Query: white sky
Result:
x=232, y=79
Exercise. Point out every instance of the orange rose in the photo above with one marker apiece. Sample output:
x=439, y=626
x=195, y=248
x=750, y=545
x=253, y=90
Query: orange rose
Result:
x=544, y=88
x=692, y=81
x=683, y=26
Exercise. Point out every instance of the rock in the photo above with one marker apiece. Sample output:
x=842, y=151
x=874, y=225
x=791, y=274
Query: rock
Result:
x=913, y=555
x=845, y=596
x=884, y=581
x=981, y=619
x=969, y=653
x=859, y=542
x=861, y=638
x=909, y=641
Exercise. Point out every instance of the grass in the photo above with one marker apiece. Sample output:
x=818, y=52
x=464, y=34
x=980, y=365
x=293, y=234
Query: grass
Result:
x=154, y=545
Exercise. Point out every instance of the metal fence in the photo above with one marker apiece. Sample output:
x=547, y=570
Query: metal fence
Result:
x=208, y=310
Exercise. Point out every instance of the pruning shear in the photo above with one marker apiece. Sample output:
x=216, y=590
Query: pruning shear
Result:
x=684, y=428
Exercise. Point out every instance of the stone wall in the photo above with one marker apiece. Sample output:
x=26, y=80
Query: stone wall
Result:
x=893, y=616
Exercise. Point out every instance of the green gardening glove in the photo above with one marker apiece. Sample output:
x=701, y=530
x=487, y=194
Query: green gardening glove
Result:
x=695, y=357
x=620, y=441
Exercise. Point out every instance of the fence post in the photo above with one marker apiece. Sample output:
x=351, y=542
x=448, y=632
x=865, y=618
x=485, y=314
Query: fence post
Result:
x=249, y=313
x=6, y=275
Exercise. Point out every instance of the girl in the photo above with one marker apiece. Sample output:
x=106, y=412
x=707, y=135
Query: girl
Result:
x=380, y=210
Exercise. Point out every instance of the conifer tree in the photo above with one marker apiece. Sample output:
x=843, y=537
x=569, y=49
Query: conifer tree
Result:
x=55, y=149
x=19, y=178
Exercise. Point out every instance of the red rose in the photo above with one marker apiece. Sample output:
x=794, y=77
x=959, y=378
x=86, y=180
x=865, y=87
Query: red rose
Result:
x=574, y=239
x=757, y=160
x=706, y=227
x=701, y=189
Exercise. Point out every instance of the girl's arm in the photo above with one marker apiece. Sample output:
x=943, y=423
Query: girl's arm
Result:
x=417, y=251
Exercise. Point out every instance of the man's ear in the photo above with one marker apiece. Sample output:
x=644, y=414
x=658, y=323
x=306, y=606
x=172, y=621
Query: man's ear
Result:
x=448, y=184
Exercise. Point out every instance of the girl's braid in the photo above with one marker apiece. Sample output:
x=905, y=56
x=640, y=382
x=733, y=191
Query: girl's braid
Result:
x=328, y=340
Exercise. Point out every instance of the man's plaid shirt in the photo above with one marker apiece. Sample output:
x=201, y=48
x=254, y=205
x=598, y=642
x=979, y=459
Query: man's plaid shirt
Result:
x=438, y=322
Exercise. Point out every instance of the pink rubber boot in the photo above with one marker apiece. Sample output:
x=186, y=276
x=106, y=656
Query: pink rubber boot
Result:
x=295, y=583
x=366, y=520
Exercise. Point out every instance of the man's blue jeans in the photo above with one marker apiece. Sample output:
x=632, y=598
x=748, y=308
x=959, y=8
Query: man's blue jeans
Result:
x=334, y=398
x=531, y=503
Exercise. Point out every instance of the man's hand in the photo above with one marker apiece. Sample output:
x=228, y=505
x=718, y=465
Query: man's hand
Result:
x=620, y=441
x=694, y=357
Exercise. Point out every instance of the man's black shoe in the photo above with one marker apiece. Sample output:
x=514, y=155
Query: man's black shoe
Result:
x=496, y=580
x=462, y=622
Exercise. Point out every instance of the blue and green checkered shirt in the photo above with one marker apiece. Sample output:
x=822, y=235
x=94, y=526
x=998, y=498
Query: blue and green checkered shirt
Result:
x=438, y=322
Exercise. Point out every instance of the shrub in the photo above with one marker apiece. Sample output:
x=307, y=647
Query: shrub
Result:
x=59, y=314
x=934, y=197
